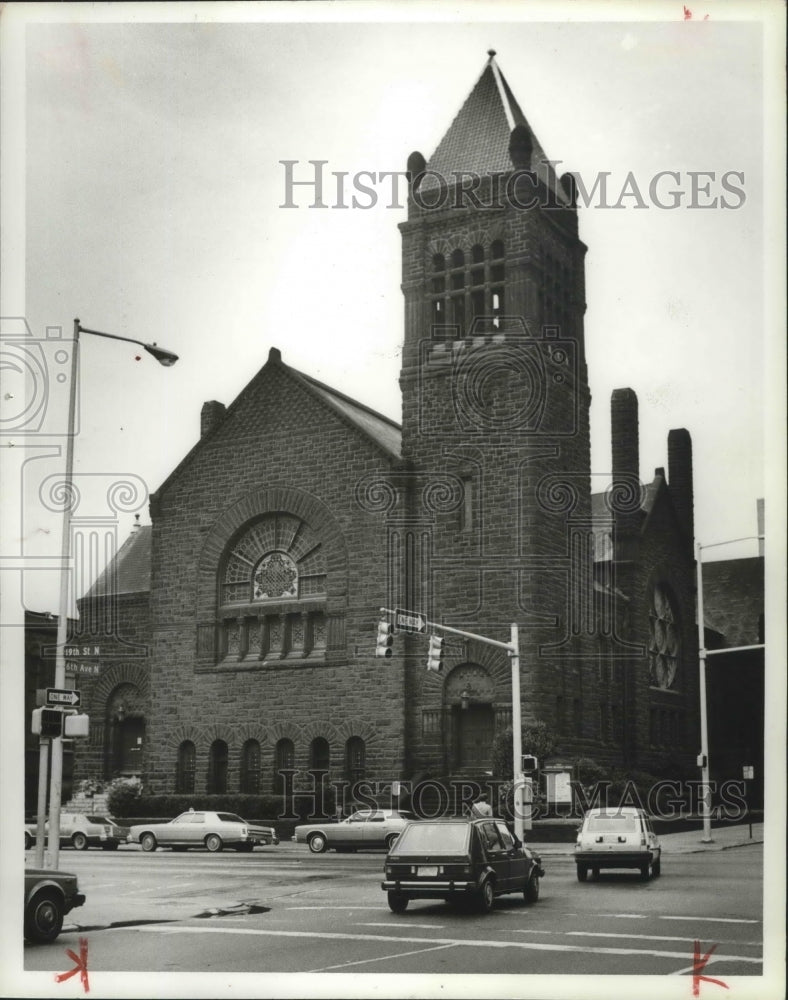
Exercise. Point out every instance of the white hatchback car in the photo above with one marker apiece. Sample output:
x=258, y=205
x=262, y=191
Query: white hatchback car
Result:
x=617, y=838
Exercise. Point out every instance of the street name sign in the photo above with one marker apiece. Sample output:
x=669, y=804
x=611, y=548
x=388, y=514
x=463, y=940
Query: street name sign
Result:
x=409, y=621
x=62, y=696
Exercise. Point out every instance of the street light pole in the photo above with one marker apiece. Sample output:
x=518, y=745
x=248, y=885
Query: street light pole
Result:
x=703, y=760
x=166, y=358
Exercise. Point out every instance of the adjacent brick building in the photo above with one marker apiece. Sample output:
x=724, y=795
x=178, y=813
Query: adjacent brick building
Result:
x=300, y=513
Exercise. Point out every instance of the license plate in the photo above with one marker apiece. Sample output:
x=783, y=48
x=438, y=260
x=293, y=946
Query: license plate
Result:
x=428, y=870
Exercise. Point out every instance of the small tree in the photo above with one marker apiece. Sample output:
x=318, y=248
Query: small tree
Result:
x=536, y=740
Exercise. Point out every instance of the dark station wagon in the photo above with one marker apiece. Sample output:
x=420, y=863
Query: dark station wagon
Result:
x=459, y=860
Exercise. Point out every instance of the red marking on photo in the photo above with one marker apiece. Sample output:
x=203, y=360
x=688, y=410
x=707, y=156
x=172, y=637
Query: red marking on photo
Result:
x=80, y=965
x=698, y=965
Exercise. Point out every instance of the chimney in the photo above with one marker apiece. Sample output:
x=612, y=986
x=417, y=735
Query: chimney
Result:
x=211, y=416
x=625, y=490
x=680, y=478
x=761, y=526
x=624, y=433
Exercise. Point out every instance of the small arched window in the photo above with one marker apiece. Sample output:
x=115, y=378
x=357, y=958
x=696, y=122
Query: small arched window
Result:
x=217, y=768
x=319, y=754
x=250, y=768
x=355, y=759
x=284, y=756
x=184, y=774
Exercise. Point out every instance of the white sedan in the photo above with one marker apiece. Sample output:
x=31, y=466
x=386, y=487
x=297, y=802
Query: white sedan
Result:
x=364, y=828
x=212, y=830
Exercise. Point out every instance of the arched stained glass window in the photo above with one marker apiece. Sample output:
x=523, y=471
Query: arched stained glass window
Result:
x=278, y=558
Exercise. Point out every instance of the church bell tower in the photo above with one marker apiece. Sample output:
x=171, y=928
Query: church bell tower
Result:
x=495, y=391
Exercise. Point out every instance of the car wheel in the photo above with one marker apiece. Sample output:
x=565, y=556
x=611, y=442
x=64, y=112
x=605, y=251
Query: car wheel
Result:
x=28, y=841
x=391, y=840
x=80, y=842
x=485, y=899
x=317, y=843
x=148, y=842
x=43, y=917
x=582, y=873
x=398, y=902
x=644, y=872
x=213, y=842
x=656, y=868
x=531, y=891
x=594, y=873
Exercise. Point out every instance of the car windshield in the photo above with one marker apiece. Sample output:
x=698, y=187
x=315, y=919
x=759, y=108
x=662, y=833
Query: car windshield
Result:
x=229, y=818
x=612, y=824
x=433, y=838
x=98, y=819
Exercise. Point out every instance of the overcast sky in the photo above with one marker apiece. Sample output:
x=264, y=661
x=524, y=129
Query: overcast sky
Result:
x=153, y=210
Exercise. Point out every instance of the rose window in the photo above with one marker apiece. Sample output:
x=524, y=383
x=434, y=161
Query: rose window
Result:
x=664, y=643
x=276, y=576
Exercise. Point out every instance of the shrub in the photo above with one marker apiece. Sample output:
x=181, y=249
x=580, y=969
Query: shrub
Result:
x=536, y=739
x=250, y=807
x=122, y=796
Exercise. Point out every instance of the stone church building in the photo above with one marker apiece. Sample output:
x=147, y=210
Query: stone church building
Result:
x=237, y=632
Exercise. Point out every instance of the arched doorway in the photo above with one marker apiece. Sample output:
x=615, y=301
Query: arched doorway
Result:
x=469, y=694
x=125, y=731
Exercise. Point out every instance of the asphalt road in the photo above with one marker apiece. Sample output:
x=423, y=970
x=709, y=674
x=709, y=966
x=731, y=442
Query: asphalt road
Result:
x=284, y=910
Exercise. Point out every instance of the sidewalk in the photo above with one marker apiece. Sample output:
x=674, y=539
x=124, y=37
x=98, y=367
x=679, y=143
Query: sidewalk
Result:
x=686, y=842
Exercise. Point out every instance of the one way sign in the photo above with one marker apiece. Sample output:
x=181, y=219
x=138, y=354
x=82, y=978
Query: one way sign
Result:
x=63, y=696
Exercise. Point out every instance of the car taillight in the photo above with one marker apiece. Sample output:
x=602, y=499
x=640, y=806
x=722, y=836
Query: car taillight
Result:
x=642, y=840
x=244, y=831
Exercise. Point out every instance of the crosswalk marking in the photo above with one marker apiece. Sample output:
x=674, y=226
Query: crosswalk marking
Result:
x=459, y=942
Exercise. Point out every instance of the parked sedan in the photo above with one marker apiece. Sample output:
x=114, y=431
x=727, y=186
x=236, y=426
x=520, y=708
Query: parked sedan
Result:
x=49, y=896
x=81, y=831
x=213, y=830
x=459, y=860
x=364, y=828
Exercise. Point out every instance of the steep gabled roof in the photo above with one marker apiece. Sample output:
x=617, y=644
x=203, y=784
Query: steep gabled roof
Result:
x=384, y=433
x=477, y=141
x=382, y=430
x=601, y=517
x=128, y=572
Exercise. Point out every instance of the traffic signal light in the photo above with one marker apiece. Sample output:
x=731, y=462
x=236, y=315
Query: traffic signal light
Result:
x=47, y=722
x=435, y=654
x=385, y=639
x=530, y=764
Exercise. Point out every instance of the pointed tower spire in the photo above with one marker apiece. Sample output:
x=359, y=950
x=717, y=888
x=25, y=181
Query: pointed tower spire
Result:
x=491, y=135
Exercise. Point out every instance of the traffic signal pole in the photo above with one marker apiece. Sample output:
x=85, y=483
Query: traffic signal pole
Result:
x=43, y=767
x=513, y=649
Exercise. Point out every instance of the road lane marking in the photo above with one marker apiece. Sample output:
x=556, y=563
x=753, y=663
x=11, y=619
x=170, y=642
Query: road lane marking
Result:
x=646, y=937
x=460, y=942
x=391, y=923
x=382, y=958
x=329, y=907
x=716, y=920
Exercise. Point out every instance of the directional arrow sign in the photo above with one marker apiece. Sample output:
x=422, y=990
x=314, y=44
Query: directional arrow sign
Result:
x=62, y=696
x=409, y=621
